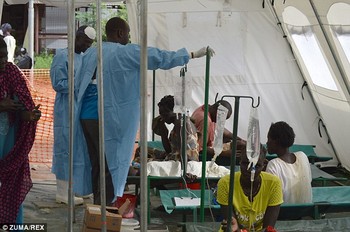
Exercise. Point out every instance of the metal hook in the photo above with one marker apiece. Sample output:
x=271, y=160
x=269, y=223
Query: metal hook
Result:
x=183, y=70
x=254, y=106
x=216, y=96
x=257, y=104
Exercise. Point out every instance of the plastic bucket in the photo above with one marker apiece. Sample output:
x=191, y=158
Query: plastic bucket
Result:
x=129, y=224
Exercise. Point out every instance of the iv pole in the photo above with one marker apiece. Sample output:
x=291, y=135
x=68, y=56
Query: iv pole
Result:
x=183, y=121
x=233, y=157
x=205, y=129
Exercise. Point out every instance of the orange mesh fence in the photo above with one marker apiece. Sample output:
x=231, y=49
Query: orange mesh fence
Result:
x=39, y=83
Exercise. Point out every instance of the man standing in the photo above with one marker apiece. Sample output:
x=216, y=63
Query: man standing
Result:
x=10, y=41
x=121, y=77
x=59, y=77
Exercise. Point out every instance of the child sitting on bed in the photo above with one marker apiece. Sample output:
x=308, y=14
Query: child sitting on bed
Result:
x=256, y=204
x=292, y=168
x=172, y=142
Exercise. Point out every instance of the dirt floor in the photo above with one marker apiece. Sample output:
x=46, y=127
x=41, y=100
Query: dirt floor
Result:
x=40, y=205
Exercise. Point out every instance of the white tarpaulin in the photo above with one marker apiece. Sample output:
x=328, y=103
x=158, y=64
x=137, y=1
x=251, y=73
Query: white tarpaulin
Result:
x=252, y=58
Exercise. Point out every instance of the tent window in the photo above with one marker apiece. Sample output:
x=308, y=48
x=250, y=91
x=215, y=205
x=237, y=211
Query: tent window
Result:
x=312, y=56
x=307, y=44
x=343, y=35
x=339, y=23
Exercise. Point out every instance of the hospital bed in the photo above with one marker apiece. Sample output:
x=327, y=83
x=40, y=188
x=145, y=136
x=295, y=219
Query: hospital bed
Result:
x=325, y=200
x=330, y=224
x=156, y=181
x=307, y=209
x=320, y=176
x=309, y=151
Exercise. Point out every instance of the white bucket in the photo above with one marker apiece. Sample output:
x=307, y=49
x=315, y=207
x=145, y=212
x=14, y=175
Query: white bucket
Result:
x=129, y=224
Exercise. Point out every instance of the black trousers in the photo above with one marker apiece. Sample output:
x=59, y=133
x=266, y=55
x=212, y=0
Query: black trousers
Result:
x=90, y=129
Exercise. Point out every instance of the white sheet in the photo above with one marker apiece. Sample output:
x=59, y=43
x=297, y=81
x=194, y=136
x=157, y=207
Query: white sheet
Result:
x=173, y=168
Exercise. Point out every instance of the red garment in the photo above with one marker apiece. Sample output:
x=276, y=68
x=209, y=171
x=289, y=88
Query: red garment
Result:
x=198, y=118
x=14, y=167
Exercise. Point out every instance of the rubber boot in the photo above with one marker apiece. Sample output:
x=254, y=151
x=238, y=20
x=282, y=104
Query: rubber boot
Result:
x=62, y=193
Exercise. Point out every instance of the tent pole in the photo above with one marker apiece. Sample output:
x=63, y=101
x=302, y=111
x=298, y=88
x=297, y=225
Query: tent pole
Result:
x=1, y=7
x=143, y=110
x=101, y=116
x=31, y=31
x=153, y=98
x=71, y=35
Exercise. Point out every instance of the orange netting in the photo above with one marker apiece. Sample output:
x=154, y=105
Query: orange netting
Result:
x=39, y=83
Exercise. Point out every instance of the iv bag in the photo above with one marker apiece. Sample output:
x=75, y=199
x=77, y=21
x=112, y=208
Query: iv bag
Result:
x=253, y=138
x=191, y=134
x=221, y=115
x=181, y=93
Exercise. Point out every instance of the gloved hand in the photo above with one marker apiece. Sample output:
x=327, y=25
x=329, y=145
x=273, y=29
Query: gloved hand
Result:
x=202, y=52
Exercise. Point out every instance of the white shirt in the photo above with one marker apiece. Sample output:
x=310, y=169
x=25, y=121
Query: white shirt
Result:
x=11, y=46
x=296, y=178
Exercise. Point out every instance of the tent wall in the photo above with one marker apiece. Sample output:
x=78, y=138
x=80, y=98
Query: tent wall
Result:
x=333, y=106
x=252, y=58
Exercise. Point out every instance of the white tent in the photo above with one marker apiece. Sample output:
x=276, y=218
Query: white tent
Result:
x=294, y=55
x=257, y=54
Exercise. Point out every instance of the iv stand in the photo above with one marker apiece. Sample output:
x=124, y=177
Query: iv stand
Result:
x=205, y=129
x=233, y=157
x=183, y=122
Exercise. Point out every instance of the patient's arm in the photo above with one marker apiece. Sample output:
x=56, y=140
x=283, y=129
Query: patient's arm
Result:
x=159, y=128
x=166, y=144
x=234, y=223
x=271, y=215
